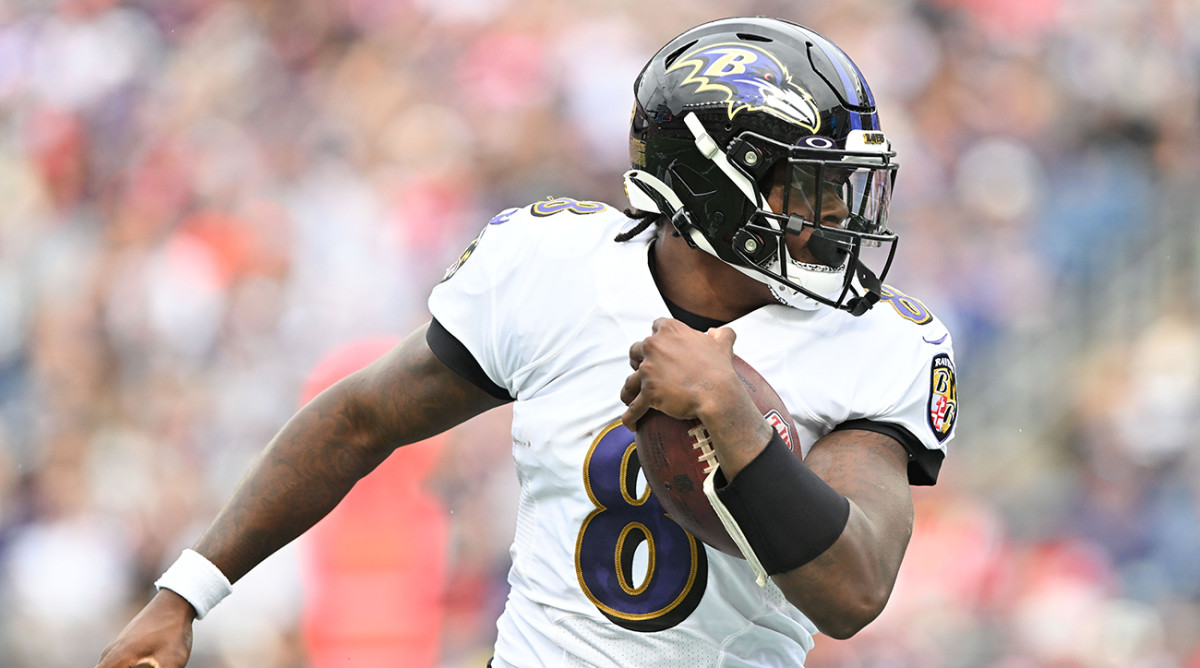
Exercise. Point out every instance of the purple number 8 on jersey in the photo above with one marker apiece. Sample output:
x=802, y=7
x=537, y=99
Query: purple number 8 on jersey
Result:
x=622, y=521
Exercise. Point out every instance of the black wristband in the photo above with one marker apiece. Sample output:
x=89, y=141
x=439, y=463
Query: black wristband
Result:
x=787, y=513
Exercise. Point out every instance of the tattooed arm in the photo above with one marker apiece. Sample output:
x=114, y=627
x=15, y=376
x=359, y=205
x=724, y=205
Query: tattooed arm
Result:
x=848, y=585
x=342, y=435
x=339, y=437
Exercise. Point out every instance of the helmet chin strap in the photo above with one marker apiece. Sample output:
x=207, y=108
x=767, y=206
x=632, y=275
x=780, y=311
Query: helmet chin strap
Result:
x=867, y=285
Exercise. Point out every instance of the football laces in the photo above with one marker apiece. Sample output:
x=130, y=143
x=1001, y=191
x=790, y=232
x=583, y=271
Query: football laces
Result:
x=704, y=444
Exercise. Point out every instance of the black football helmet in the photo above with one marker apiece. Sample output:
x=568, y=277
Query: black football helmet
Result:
x=721, y=110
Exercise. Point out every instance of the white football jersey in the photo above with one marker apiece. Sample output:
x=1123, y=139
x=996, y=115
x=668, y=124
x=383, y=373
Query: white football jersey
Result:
x=548, y=305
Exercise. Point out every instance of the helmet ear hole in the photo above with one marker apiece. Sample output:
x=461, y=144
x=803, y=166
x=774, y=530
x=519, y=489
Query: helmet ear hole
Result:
x=693, y=183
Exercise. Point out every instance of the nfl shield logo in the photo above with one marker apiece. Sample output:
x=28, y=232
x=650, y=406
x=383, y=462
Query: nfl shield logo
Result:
x=780, y=426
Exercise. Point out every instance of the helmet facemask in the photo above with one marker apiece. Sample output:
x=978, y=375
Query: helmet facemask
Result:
x=839, y=200
x=846, y=214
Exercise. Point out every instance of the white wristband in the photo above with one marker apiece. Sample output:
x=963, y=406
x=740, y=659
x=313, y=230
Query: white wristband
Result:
x=197, y=580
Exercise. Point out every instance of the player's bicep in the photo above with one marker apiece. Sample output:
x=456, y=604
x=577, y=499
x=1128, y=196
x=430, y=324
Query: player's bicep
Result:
x=870, y=469
x=409, y=394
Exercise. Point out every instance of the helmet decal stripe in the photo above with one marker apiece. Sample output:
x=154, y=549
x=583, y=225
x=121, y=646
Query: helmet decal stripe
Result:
x=864, y=121
x=836, y=57
x=854, y=85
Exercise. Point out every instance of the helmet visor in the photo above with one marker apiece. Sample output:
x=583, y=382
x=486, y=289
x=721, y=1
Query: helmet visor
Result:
x=848, y=195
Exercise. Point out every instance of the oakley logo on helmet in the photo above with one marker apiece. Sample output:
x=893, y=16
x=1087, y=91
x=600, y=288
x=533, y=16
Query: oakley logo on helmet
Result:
x=816, y=141
x=751, y=79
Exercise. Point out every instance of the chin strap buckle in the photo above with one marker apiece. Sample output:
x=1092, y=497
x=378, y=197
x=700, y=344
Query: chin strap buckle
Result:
x=871, y=286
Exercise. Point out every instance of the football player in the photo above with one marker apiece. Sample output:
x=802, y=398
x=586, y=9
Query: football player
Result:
x=759, y=194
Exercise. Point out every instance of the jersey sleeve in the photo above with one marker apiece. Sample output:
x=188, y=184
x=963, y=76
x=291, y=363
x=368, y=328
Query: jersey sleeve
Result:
x=471, y=303
x=519, y=291
x=922, y=408
x=455, y=355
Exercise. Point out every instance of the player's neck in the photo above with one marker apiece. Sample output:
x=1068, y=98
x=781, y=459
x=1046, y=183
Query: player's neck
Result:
x=701, y=284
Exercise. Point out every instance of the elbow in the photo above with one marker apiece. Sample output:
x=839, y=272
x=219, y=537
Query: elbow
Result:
x=356, y=420
x=851, y=613
x=842, y=629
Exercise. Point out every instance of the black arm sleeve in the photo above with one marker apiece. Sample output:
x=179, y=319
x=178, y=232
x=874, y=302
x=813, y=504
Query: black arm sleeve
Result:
x=455, y=355
x=923, y=463
x=788, y=514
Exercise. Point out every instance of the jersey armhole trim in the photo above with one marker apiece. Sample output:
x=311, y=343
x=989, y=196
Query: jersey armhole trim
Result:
x=923, y=463
x=447, y=348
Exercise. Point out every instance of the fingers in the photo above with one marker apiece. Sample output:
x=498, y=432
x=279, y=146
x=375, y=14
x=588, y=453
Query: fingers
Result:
x=672, y=366
x=723, y=335
x=634, y=412
x=636, y=402
x=631, y=388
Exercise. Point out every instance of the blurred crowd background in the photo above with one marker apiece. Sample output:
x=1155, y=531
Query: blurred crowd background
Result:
x=202, y=201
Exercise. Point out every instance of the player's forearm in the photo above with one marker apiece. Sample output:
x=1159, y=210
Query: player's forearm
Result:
x=406, y=396
x=737, y=428
x=305, y=471
x=847, y=586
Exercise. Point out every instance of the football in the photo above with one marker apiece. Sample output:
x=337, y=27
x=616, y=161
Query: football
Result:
x=676, y=457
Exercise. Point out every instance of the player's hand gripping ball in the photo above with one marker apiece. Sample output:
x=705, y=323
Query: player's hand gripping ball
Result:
x=677, y=455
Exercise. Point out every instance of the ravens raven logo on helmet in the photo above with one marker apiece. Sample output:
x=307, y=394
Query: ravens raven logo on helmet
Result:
x=749, y=78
